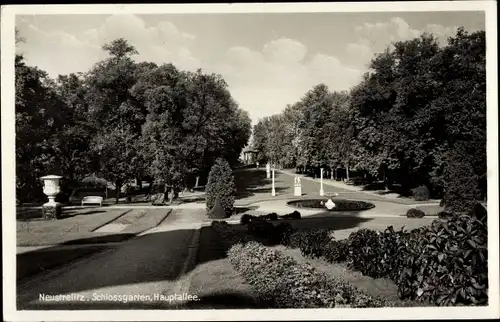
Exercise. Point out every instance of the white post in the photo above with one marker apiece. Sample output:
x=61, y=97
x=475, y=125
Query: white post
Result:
x=268, y=170
x=321, y=191
x=273, y=191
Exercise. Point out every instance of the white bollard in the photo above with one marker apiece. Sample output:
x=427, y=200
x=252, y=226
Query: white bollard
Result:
x=321, y=191
x=273, y=191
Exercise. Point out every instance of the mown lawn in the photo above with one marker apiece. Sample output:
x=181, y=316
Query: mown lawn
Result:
x=214, y=279
x=78, y=227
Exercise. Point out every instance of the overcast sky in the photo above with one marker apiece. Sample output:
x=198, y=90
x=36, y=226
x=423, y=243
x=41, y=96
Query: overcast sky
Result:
x=268, y=60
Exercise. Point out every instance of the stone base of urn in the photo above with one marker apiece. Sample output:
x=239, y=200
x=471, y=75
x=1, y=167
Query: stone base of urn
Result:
x=52, y=211
x=297, y=192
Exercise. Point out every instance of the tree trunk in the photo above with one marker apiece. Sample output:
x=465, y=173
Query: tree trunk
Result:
x=347, y=171
x=331, y=173
x=197, y=181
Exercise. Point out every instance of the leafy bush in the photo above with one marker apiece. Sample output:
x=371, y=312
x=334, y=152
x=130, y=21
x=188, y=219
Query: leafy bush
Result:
x=246, y=218
x=363, y=248
x=284, y=283
x=221, y=185
x=415, y=213
x=447, y=263
x=444, y=215
x=260, y=228
x=444, y=263
x=292, y=215
x=229, y=235
x=273, y=216
x=335, y=251
x=310, y=242
x=282, y=233
x=421, y=193
x=479, y=212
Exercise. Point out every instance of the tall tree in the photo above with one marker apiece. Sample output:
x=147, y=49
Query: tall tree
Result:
x=112, y=111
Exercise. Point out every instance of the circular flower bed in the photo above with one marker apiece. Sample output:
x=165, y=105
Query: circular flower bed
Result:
x=340, y=204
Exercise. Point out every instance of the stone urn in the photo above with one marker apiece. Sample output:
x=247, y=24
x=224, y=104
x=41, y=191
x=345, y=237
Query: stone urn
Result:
x=51, y=209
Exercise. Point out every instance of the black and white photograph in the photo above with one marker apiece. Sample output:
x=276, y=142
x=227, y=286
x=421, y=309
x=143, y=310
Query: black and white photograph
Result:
x=184, y=162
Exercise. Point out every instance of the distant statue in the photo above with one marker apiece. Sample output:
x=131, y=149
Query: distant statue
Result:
x=297, y=180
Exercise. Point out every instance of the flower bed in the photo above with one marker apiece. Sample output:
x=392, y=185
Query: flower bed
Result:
x=340, y=204
x=247, y=218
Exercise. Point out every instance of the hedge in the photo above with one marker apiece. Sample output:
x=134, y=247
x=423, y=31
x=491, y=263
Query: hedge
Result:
x=284, y=283
x=444, y=263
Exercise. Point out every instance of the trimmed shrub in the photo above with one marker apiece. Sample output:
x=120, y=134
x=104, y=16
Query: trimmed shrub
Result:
x=284, y=231
x=217, y=211
x=335, y=251
x=292, y=215
x=260, y=228
x=246, y=218
x=284, y=283
x=415, y=213
x=221, y=185
x=363, y=247
x=273, y=216
x=310, y=242
x=420, y=193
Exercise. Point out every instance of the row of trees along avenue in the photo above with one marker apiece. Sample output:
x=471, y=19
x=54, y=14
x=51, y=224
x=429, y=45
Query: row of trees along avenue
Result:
x=417, y=118
x=123, y=119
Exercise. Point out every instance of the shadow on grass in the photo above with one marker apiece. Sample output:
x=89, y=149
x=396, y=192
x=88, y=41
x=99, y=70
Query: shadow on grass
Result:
x=31, y=263
x=112, y=238
x=248, y=179
x=241, y=210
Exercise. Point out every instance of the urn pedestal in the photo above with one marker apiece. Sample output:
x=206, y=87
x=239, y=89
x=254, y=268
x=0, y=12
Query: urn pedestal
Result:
x=51, y=209
x=297, y=191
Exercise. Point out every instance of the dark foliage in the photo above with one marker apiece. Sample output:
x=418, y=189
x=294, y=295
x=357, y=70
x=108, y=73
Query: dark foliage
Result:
x=479, y=212
x=446, y=263
x=461, y=184
x=221, y=185
x=293, y=215
x=340, y=204
x=310, y=242
x=363, y=246
x=444, y=215
x=415, y=213
x=282, y=281
x=245, y=219
x=335, y=251
x=217, y=211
